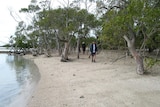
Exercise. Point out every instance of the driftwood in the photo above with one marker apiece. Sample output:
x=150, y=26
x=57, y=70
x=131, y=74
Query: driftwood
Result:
x=118, y=59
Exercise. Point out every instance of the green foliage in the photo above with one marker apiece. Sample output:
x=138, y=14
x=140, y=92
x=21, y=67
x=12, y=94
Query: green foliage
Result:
x=139, y=16
x=31, y=8
x=150, y=63
x=112, y=32
x=48, y=24
x=88, y=40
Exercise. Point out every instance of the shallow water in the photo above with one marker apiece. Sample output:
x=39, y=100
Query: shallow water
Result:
x=18, y=78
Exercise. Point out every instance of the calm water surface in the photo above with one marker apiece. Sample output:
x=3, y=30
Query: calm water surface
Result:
x=18, y=78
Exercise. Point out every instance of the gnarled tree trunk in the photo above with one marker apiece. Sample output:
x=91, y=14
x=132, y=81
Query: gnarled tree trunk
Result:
x=64, y=56
x=58, y=44
x=47, y=45
x=137, y=57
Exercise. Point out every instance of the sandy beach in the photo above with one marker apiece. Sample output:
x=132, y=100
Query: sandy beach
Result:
x=81, y=83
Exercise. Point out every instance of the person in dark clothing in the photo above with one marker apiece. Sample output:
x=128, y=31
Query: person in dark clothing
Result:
x=83, y=47
x=93, y=50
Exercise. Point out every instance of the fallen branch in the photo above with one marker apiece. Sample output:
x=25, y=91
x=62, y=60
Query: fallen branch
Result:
x=118, y=59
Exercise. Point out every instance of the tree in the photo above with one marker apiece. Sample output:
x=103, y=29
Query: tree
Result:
x=87, y=22
x=63, y=24
x=39, y=27
x=68, y=23
x=20, y=39
x=131, y=19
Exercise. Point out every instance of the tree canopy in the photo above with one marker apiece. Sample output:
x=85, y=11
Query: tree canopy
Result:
x=140, y=16
x=114, y=23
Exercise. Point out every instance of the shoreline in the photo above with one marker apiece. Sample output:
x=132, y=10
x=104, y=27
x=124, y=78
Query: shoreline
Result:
x=81, y=83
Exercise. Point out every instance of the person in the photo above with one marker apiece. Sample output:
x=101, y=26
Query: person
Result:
x=93, y=50
x=83, y=47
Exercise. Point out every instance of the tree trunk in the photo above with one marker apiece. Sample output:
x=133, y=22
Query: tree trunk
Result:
x=58, y=45
x=40, y=46
x=78, y=46
x=137, y=57
x=139, y=61
x=34, y=50
x=64, y=56
x=48, y=48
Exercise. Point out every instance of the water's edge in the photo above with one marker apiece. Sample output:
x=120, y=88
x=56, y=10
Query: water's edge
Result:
x=27, y=92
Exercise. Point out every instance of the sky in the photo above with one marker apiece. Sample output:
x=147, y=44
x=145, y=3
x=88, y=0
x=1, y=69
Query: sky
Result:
x=7, y=22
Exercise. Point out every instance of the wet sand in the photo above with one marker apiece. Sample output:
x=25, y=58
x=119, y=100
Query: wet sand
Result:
x=81, y=83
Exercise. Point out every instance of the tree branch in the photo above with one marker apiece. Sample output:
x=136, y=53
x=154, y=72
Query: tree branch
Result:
x=103, y=7
x=14, y=17
x=126, y=38
x=118, y=58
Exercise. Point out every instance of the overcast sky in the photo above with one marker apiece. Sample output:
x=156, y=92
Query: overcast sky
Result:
x=7, y=22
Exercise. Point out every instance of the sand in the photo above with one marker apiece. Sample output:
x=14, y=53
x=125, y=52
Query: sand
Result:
x=81, y=83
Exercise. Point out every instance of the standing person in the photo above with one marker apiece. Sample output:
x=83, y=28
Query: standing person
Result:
x=83, y=47
x=93, y=50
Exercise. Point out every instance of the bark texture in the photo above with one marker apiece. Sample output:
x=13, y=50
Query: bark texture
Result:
x=64, y=56
x=137, y=57
x=78, y=47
